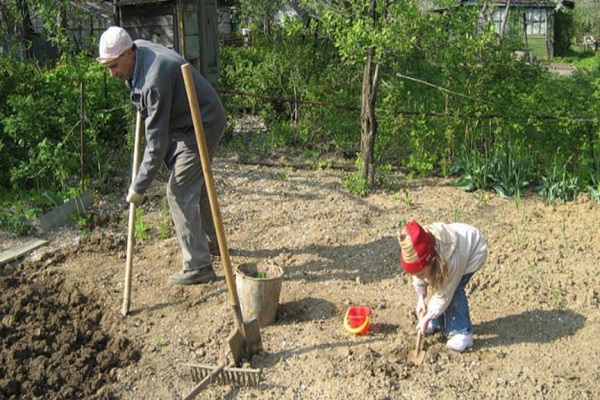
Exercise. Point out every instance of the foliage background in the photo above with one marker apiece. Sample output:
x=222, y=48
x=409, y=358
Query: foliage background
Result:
x=450, y=103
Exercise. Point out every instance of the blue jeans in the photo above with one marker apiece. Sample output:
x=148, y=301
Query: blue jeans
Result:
x=456, y=319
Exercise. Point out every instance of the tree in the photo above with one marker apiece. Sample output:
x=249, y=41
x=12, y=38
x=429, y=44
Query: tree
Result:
x=586, y=15
x=369, y=32
x=261, y=12
x=17, y=23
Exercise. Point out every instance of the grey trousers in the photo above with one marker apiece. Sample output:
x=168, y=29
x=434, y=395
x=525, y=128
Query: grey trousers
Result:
x=190, y=207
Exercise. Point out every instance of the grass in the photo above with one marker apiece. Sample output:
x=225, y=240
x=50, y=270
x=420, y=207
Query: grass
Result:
x=580, y=59
x=521, y=230
x=164, y=228
x=457, y=216
x=159, y=342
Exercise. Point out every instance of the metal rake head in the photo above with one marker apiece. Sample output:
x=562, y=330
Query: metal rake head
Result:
x=236, y=376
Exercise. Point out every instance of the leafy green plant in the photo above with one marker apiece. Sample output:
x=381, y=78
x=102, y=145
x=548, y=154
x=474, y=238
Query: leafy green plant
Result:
x=476, y=169
x=80, y=221
x=512, y=171
x=45, y=137
x=504, y=169
x=384, y=177
x=142, y=229
x=594, y=187
x=282, y=176
x=401, y=222
x=165, y=225
x=16, y=223
x=354, y=181
x=556, y=184
x=262, y=275
x=406, y=197
x=595, y=192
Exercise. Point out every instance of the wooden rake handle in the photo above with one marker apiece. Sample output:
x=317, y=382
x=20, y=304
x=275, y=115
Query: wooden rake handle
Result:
x=204, y=383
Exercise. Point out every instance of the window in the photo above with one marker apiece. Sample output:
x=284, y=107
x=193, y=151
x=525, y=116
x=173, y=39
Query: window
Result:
x=536, y=21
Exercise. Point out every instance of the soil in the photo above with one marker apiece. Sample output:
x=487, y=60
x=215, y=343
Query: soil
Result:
x=534, y=305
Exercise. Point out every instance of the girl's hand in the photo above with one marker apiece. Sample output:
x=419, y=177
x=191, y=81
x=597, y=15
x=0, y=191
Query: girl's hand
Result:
x=423, y=324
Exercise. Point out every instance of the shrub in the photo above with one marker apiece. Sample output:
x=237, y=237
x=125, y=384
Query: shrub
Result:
x=43, y=142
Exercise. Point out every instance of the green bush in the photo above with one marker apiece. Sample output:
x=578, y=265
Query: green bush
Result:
x=449, y=104
x=43, y=146
x=273, y=74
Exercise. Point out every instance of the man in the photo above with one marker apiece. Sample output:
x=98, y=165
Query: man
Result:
x=153, y=75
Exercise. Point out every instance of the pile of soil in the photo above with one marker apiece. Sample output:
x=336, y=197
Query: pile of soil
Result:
x=534, y=305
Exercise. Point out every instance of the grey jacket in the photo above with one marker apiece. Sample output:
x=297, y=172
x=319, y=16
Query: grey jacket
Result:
x=158, y=91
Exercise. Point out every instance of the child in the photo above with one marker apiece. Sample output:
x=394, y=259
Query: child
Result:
x=443, y=256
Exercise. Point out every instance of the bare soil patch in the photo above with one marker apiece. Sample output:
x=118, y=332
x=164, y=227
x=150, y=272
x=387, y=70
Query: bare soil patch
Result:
x=534, y=305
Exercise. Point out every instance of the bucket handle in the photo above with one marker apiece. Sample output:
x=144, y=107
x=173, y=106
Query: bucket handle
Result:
x=358, y=329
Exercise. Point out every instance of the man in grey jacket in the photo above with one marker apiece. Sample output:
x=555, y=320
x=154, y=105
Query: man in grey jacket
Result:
x=153, y=75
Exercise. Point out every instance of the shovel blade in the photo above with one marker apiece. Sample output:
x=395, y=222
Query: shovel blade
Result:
x=418, y=354
x=237, y=346
x=252, y=334
x=246, y=344
x=416, y=357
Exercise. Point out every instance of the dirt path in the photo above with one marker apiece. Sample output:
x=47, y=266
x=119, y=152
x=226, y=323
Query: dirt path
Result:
x=535, y=305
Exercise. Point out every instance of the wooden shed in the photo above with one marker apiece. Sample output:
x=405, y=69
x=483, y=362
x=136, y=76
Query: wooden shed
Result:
x=533, y=21
x=189, y=27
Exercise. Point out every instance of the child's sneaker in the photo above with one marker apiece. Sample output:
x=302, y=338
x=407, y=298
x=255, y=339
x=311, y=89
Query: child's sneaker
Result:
x=460, y=342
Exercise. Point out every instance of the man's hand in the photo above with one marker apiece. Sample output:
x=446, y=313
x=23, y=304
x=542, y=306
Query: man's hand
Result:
x=135, y=198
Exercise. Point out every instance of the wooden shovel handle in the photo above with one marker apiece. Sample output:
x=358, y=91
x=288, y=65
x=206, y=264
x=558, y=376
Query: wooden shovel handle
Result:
x=190, y=88
x=419, y=346
x=419, y=342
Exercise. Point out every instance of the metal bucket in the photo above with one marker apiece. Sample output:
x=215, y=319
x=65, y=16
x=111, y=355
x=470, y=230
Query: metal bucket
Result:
x=259, y=287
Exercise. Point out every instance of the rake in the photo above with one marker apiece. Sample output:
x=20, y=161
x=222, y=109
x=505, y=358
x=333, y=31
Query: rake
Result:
x=206, y=374
x=229, y=375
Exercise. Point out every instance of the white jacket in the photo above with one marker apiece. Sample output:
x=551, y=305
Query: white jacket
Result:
x=464, y=249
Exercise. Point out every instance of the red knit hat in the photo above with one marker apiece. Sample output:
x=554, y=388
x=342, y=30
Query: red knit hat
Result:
x=416, y=248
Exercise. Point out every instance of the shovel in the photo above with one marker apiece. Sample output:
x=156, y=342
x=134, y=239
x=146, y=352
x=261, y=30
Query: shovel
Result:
x=245, y=339
x=417, y=356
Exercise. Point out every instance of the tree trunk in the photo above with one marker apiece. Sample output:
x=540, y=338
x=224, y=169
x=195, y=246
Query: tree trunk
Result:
x=368, y=120
x=504, y=22
x=25, y=28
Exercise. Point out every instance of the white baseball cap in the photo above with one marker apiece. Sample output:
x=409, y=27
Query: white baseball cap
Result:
x=113, y=42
